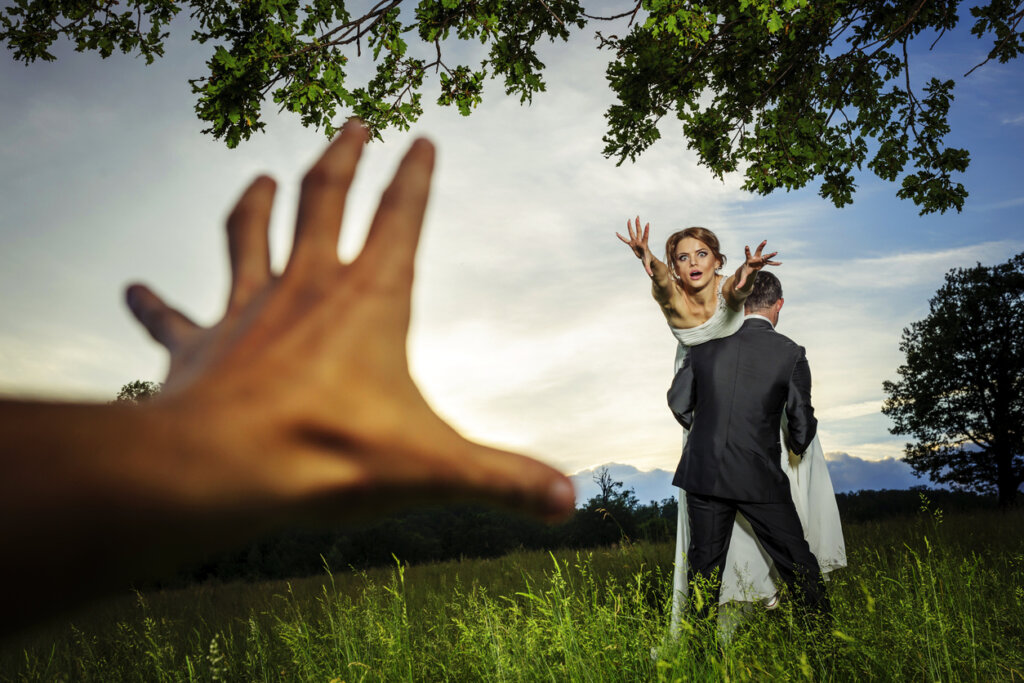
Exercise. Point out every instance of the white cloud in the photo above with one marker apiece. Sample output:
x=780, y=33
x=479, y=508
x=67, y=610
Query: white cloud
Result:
x=1007, y=204
x=849, y=410
x=57, y=362
x=900, y=271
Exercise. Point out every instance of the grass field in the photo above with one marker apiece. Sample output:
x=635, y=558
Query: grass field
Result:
x=933, y=597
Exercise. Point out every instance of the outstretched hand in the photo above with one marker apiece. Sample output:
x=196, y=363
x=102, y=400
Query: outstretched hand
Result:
x=754, y=263
x=304, y=384
x=638, y=243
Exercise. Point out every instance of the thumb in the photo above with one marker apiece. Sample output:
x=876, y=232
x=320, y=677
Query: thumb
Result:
x=442, y=467
x=513, y=481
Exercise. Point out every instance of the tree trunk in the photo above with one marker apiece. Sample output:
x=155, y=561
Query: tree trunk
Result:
x=1006, y=479
x=1007, y=495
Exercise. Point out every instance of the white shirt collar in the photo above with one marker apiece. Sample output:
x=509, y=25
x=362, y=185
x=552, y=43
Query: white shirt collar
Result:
x=751, y=316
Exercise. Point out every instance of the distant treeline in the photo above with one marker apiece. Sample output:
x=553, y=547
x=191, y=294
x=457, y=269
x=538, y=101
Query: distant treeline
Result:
x=866, y=506
x=443, y=533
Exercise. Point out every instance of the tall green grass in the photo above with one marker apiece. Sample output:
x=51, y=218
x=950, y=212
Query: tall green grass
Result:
x=923, y=598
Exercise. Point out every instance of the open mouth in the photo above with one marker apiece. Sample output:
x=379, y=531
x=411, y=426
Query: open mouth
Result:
x=695, y=274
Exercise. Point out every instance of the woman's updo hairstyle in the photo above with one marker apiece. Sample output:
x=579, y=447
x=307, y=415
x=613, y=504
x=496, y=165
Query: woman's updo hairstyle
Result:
x=701, y=234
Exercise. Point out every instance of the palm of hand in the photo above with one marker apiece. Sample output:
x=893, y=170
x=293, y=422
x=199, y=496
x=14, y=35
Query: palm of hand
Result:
x=755, y=262
x=305, y=381
x=638, y=242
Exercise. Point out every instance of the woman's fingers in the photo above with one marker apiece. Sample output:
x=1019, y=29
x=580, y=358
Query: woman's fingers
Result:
x=166, y=325
x=248, y=248
x=758, y=260
x=322, y=202
x=390, y=249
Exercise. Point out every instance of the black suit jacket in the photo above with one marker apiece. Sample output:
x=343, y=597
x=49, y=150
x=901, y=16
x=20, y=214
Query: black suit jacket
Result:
x=730, y=394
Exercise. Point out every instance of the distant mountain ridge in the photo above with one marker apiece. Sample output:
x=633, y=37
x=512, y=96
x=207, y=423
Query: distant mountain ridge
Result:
x=848, y=472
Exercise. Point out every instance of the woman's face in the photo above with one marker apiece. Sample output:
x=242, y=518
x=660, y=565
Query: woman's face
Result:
x=695, y=263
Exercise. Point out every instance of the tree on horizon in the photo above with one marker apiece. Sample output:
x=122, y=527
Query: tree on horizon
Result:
x=961, y=389
x=137, y=390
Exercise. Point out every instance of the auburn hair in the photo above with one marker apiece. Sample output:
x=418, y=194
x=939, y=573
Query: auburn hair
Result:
x=698, y=233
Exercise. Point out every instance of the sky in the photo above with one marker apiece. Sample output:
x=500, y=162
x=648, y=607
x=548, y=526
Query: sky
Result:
x=533, y=327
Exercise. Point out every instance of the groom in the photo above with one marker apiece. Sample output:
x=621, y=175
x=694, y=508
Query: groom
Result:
x=730, y=393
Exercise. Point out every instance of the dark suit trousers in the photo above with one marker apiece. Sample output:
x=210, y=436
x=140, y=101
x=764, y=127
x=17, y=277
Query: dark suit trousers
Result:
x=777, y=527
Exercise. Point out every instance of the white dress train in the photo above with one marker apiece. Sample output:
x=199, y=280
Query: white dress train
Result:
x=749, y=573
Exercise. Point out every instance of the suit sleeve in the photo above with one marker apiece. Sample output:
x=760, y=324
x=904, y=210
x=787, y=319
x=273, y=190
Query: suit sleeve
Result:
x=682, y=395
x=799, y=412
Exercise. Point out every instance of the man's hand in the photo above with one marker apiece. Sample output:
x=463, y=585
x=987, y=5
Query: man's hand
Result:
x=303, y=388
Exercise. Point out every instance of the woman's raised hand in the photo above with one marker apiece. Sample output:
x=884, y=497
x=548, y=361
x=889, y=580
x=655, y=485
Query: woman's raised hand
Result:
x=638, y=243
x=755, y=263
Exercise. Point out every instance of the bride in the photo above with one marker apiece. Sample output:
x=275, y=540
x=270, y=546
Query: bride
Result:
x=700, y=304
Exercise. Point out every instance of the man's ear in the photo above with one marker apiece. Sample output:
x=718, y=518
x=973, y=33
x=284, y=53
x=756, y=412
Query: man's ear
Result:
x=778, y=304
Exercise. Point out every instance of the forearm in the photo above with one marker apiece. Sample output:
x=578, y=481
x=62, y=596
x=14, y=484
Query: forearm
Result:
x=89, y=500
x=736, y=296
x=661, y=282
x=748, y=283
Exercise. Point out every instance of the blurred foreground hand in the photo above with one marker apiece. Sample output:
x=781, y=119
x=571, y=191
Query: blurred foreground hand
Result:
x=296, y=407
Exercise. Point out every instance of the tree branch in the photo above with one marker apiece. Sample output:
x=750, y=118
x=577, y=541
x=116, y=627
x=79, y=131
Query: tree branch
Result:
x=891, y=37
x=631, y=14
x=1012, y=32
x=557, y=18
x=374, y=17
x=911, y=100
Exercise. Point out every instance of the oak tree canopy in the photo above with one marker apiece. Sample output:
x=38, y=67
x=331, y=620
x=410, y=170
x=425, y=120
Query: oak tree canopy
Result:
x=783, y=91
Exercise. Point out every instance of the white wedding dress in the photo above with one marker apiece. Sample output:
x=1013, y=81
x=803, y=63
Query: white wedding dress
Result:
x=749, y=574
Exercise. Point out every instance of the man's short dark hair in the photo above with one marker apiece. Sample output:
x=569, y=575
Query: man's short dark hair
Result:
x=767, y=290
